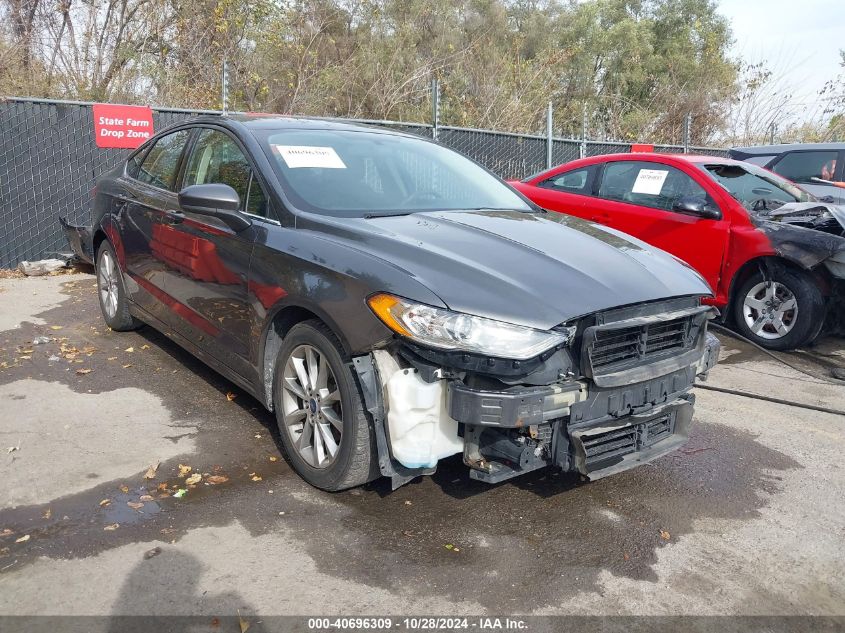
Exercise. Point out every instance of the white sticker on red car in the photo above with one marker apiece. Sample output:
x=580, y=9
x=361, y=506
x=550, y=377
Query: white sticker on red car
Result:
x=650, y=181
x=296, y=156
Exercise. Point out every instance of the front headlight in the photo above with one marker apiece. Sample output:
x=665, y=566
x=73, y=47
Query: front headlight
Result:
x=448, y=330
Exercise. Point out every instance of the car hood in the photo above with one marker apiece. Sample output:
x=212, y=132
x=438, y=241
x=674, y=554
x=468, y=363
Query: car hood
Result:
x=531, y=269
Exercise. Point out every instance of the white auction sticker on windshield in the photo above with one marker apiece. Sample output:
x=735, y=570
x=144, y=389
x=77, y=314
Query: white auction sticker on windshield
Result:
x=296, y=156
x=650, y=181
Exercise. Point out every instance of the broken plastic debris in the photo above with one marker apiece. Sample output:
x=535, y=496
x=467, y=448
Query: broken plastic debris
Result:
x=12, y=449
x=180, y=493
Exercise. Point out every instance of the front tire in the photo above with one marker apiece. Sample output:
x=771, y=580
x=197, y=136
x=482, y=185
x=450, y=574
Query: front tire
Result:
x=324, y=429
x=780, y=313
x=111, y=292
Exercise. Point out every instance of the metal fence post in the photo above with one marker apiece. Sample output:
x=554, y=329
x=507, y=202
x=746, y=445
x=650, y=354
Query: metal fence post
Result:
x=435, y=107
x=225, y=87
x=549, y=140
x=687, y=131
x=584, y=134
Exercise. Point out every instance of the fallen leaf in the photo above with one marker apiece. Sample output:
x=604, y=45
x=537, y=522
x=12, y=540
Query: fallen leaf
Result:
x=129, y=349
x=162, y=485
x=452, y=548
x=407, y=532
x=626, y=556
x=135, y=505
x=26, y=351
x=112, y=358
x=12, y=449
x=24, y=357
x=112, y=527
x=6, y=532
x=184, y=470
x=82, y=372
x=151, y=471
x=255, y=477
x=180, y=493
x=47, y=514
x=273, y=458
x=105, y=502
x=55, y=327
x=167, y=530
x=665, y=535
x=152, y=552
x=217, y=479
x=22, y=539
x=231, y=396
x=258, y=436
x=145, y=347
x=408, y=502
x=145, y=498
x=124, y=489
x=194, y=479
x=244, y=623
x=127, y=365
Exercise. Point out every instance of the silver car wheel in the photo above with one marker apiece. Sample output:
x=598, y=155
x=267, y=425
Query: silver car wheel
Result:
x=770, y=310
x=311, y=406
x=107, y=280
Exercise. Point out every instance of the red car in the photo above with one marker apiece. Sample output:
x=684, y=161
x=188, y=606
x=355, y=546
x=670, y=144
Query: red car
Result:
x=772, y=253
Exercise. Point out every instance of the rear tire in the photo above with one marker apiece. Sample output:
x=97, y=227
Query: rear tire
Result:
x=323, y=425
x=111, y=292
x=781, y=313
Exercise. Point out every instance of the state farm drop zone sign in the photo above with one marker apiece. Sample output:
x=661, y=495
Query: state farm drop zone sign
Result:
x=122, y=126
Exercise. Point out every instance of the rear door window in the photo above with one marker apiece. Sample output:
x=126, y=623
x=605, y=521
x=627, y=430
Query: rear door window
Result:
x=570, y=182
x=648, y=184
x=803, y=167
x=161, y=164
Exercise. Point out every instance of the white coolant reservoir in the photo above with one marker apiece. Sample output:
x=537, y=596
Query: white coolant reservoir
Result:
x=421, y=431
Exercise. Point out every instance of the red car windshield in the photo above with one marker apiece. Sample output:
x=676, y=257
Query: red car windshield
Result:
x=754, y=187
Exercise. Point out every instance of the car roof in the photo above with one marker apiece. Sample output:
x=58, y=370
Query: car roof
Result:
x=260, y=121
x=652, y=157
x=787, y=147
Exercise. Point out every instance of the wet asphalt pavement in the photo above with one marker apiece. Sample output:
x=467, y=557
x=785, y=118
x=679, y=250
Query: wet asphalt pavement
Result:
x=747, y=518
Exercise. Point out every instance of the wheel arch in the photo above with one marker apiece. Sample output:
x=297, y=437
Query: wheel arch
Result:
x=767, y=265
x=282, y=319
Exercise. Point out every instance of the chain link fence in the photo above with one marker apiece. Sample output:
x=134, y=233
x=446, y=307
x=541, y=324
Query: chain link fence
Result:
x=49, y=164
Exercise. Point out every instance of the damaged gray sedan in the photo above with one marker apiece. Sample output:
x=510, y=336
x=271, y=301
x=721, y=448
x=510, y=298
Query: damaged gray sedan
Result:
x=394, y=303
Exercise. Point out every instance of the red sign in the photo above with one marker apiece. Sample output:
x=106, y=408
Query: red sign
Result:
x=642, y=147
x=122, y=126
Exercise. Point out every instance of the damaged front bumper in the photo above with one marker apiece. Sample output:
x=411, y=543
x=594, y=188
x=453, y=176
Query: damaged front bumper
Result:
x=575, y=425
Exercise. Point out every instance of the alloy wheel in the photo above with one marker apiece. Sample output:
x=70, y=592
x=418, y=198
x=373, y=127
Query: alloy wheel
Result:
x=313, y=415
x=770, y=310
x=107, y=281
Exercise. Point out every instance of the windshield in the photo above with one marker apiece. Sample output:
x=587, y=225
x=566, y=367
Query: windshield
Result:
x=754, y=187
x=353, y=174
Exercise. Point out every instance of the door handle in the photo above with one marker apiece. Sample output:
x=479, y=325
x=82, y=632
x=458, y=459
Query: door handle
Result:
x=174, y=217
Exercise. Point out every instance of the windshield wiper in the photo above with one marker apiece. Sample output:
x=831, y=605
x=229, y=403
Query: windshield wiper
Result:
x=386, y=214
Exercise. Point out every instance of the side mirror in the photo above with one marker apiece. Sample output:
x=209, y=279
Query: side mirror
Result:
x=699, y=207
x=217, y=200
